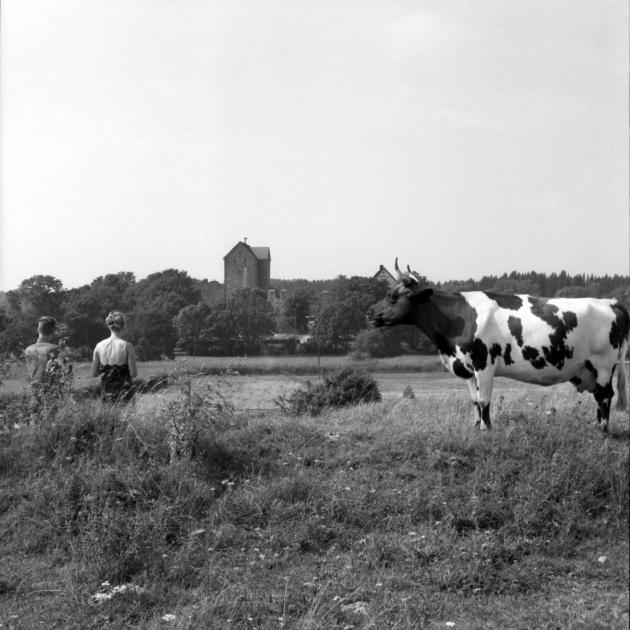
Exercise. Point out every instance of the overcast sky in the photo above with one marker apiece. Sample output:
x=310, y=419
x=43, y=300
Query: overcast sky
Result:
x=466, y=138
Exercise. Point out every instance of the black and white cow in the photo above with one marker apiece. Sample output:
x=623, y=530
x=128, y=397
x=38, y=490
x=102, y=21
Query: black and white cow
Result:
x=480, y=335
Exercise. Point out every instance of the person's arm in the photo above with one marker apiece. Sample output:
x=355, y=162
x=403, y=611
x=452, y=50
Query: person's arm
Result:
x=131, y=360
x=96, y=364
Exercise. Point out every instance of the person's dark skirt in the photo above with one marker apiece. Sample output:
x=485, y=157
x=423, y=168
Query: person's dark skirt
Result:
x=116, y=383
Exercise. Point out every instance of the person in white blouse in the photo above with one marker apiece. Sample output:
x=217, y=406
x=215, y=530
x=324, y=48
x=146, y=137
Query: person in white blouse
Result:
x=115, y=361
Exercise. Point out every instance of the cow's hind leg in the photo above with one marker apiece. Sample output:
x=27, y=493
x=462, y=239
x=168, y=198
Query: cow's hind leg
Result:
x=603, y=392
x=481, y=391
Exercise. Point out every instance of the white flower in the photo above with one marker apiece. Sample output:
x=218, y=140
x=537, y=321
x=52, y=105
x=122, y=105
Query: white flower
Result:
x=168, y=617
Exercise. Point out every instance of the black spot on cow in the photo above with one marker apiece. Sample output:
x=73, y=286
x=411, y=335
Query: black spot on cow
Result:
x=511, y=302
x=620, y=328
x=495, y=351
x=459, y=369
x=557, y=351
x=448, y=320
x=576, y=380
x=507, y=355
x=589, y=366
x=533, y=356
x=570, y=320
x=443, y=344
x=516, y=329
x=478, y=353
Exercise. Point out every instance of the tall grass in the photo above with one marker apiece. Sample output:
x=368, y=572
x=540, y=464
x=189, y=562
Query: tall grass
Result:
x=392, y=514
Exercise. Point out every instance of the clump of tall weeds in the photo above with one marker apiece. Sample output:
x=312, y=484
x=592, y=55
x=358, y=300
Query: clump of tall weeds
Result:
x=339, y=388
x=118, y=489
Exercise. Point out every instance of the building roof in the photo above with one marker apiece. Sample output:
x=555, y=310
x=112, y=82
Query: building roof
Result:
x=384, y=274
x=261, y=253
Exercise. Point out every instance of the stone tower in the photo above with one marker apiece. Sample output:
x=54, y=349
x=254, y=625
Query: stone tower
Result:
x=246, y=267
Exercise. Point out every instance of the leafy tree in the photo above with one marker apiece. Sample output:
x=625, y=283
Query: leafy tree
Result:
x=572, y=292
x=391, y=342
x=85, y=308
x=515, y=285
x=298, y=306
x=4, y=319
x=338, y=323
x=193, y=331
x=152, y=333
x=622, y=294
x=240, y=324
x=221, y=336
x=19, y=332
x=334, y=330
x=84, y=332
x=167, y=291
x=252, y=318
x=155, y=301
x=37, y=295
x=114, y=292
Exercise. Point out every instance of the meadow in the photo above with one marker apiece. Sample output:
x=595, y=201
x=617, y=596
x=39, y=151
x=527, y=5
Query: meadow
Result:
x=202, y=505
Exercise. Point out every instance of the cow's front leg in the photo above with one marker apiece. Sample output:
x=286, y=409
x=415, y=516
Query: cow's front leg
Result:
x=603, y=396
x=474, y=396
x=484, y=380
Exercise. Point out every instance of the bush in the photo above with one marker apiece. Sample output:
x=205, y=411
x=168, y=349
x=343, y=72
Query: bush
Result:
x=340, y=388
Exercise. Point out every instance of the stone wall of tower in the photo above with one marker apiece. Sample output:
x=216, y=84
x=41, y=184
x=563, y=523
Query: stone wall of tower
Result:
x=240, y=270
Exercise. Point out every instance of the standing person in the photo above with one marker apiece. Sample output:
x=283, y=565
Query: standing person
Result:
x=37, y=357
x=115, y=359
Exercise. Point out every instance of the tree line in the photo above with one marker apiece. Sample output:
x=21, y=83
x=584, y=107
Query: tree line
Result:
x=169, y=310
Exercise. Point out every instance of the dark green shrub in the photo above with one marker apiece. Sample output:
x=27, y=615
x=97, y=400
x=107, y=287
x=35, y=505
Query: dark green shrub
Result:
x=340, y=388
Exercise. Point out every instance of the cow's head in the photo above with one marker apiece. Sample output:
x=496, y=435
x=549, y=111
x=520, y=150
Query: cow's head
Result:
x=402, y=301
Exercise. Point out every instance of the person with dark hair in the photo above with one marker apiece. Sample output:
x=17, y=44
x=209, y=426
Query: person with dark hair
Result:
x=115, y=361
x=45, y=348
x=37, y=356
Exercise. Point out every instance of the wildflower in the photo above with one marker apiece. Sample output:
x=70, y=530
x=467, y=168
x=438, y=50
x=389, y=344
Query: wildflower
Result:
x=602, y=559
x=168, y=617
x=450, y=624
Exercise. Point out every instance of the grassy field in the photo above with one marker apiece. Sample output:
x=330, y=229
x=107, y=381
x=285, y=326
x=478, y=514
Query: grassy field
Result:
x=183, y=512
x=15, y=380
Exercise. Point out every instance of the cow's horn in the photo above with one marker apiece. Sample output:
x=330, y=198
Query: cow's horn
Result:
x=413, y=274
x=397, y=269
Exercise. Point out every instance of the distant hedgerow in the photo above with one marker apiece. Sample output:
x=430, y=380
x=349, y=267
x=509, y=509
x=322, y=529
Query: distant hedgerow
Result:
x=346, y=386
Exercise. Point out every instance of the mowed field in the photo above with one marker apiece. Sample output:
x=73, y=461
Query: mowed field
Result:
x=396, y=514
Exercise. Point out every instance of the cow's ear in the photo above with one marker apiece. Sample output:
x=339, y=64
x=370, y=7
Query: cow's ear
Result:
x=424, y=295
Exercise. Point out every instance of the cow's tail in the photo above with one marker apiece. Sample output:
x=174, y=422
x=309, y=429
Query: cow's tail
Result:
x=623, y=335
x=622, y=391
